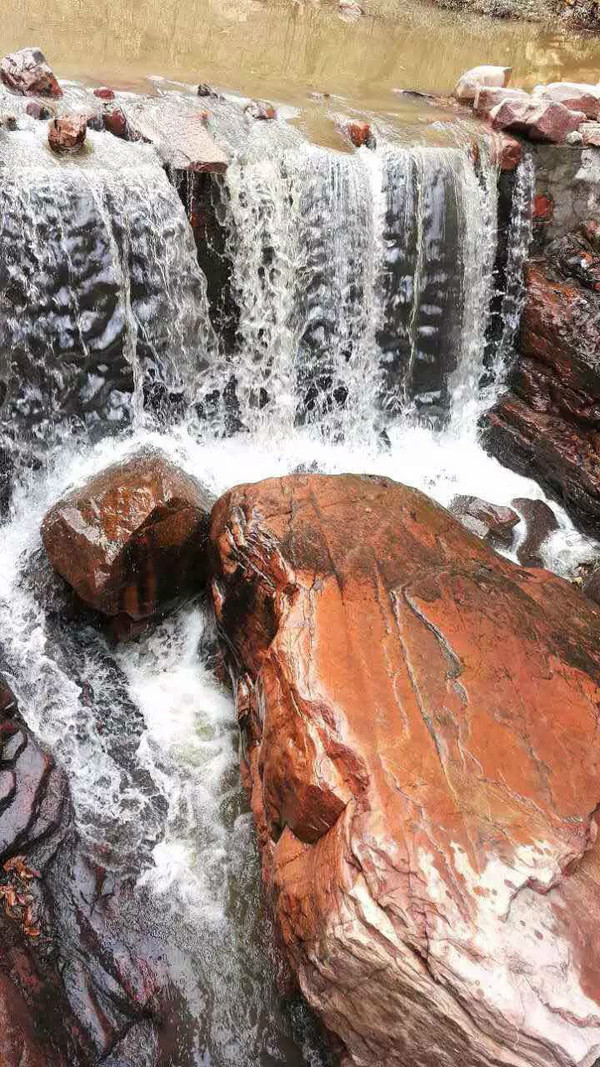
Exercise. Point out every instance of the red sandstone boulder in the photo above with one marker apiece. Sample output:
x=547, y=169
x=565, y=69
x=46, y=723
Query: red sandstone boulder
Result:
x=66, y=134
x=420, y=722
x=115, y=121
x=131, y=541
x=577, y=97
x=505, y=151
x=470, y=82
x=104, y=93
x=540, y=120
x=488, y=97
x=27, y=72
x=493, y=522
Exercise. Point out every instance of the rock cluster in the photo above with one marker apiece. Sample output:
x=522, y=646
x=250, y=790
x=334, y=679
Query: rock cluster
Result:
x=552, y=114
x=27, y=73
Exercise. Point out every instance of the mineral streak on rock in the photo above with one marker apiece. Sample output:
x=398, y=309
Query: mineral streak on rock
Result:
x=420, y=724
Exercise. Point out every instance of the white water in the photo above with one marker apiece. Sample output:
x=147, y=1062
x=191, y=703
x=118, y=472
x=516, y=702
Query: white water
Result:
x=342, y=268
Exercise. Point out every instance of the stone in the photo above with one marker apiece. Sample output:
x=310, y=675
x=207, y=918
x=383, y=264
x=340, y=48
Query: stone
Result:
x=104, y=93
x=505, y=151
x=419, y=720
x=115, y=121
x=540, y=120
x=26, y=72
x=591, y=585
x=359, y=133
x=179, y=136
x=8, y=121
x=37, y=110
x=546, y=424
x=488, y=97
x=573, y=95
x=131, y=541
x=540, y=523
x=590, y=134
x=470, y=82
x=261, y=110
x=542, y=208
x=66, y=134
x=494, y=522
x=575, y=138
x=208, y=91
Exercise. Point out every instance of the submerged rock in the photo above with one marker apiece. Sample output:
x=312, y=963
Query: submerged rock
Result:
x=115, y=121
x=470, y=82
x=27, y=72
x=421, y=745
x=131, y=541
x=66, y=134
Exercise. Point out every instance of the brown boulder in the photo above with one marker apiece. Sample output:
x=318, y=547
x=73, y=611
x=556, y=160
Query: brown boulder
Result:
x=540, y=522
x=420, y=721
x=131, y=541
x=493, y=522
x=538, y=119
x=66, y=134
x=27, y=73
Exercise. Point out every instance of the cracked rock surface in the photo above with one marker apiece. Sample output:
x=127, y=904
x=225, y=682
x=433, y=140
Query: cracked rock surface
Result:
x=421, y=742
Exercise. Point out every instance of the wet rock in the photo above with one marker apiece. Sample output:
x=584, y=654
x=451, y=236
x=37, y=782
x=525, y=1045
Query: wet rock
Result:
x=493, y=522
x=180, y=137
x=547, y=423
x=420, y=740
x=104, y=93
x=27, y=73
x=585, y=98
x=590, y=134
x=208, y=91
x=132, y=540
x=37, y=110
x=66, y=134
x=359, y=133
x=505, y=151
x=540, y=120
x=540, y=522
x=473, y=80
x=115, y=121
x=591, y=585
x=488, y=97
x=261, y=110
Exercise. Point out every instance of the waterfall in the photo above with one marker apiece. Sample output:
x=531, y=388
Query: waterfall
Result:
x=361, y=287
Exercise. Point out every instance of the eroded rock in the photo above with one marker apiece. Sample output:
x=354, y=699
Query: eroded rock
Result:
x=493, y=522
x=540, y=522
x=67, y=133
x=420, y=741
x=473, y=80
x=26, y=72
x=132, y=540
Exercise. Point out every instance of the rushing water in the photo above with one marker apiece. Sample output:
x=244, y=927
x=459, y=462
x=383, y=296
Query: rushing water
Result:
x=362, y=285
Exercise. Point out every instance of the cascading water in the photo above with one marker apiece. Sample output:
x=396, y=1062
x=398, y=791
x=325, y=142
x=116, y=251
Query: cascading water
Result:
x=362, y=284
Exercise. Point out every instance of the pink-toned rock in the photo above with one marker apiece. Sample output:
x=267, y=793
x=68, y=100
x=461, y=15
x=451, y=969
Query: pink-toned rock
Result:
x=27, y=72
x=505, y=151
x=36, y=110
x=66, y=134
x=104, y=93
x=472, y=80
x=494, y=522
x=590, y=133
x=115, y=121
x=487, y=98
x=261, y=110
x=420, y=722
x=575, y=96
x=540, y=120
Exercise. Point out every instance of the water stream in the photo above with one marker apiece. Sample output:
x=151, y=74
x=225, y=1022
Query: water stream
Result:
x=362, y=284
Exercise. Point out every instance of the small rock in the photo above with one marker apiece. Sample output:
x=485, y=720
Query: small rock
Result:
x=574, y=138
x=207, y=90
x=543, y=208
x=472, y=80
x=95, y=120
x=39, y=111
x=115, y=121
x=492, y=522
x=27, y=72
x=260, y=109
x=540, y=522
x=506, y=152
x=573, y=95
x=104, y=93
x=540, y=120
x=66, y=134
x=590, y=134
x=359, y=133
x=8, y=121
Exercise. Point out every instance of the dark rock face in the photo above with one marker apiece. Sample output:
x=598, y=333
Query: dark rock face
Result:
x=547, y=424
x=540, y=522
x=132, y=540
x=66, y=134
x=423, y=826
x=27, y=73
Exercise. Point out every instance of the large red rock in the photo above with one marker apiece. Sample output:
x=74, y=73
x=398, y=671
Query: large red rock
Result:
x=27, y=72
x=132, y=540
x=420, y=724
x=575, y=96
x=547, y=422
x=488, y=97
x=539, y=119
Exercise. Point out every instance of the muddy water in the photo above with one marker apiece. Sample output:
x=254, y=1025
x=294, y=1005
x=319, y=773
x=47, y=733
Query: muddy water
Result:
x=287, y=48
